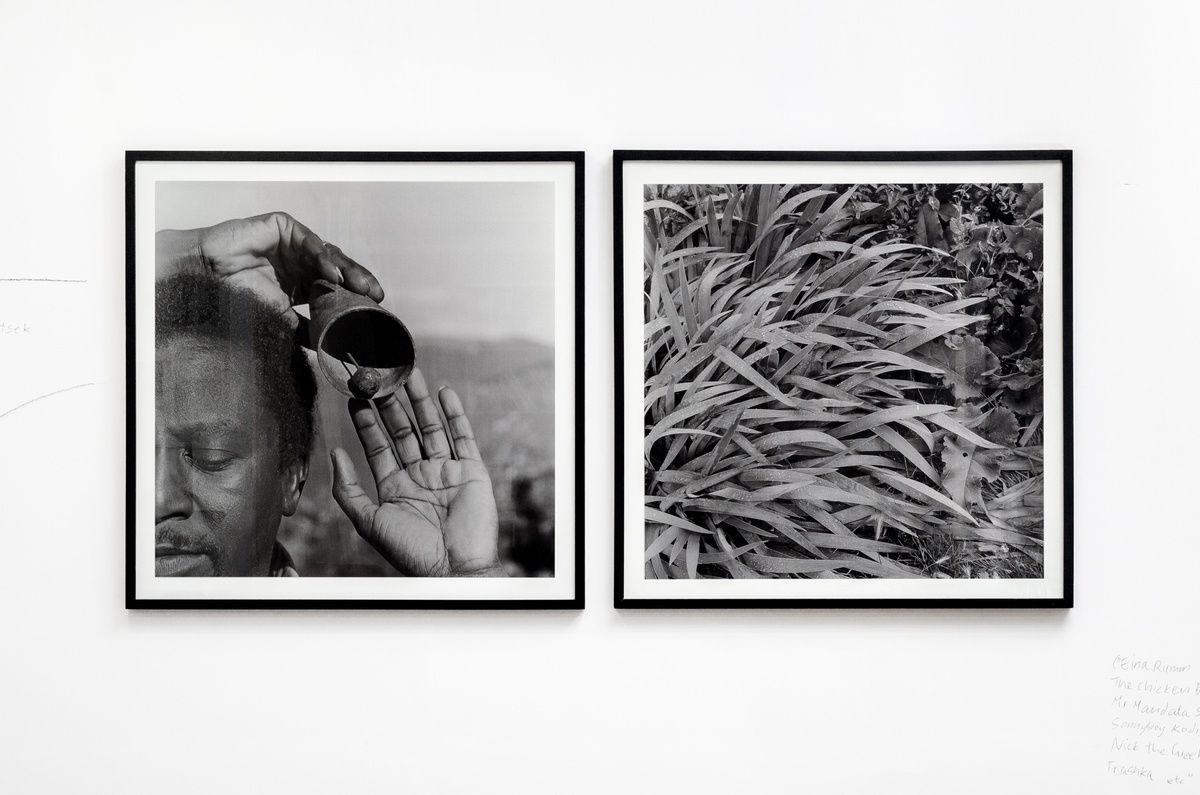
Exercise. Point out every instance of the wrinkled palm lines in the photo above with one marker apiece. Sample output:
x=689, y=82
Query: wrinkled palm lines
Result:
x=789, y=432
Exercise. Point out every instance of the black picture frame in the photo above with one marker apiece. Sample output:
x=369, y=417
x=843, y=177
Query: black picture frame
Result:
x=634, y=171
x=558, y=175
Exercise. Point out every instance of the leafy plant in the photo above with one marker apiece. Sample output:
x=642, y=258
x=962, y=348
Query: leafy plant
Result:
x=842, y=381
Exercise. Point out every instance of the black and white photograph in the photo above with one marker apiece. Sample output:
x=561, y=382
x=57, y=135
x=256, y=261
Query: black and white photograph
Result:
x=842, y=379
x=837, y=344
x=355, y=380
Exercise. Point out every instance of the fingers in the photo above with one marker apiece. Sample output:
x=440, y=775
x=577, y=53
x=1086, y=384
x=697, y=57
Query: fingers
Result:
x=316, y=253
x=428, y=419
x=461, y=435
x=275, y=240
x=374, y=441
x=329, y=262
x=461, y=442
x=349, y=496
x=356, y=278
x=335, y=266
x=399, y=427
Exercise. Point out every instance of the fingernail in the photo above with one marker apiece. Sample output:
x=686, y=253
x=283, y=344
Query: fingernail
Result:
x=337, y=272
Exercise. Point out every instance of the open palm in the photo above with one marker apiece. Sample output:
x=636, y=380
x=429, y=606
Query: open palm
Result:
x=429, y=514
x=436, y=514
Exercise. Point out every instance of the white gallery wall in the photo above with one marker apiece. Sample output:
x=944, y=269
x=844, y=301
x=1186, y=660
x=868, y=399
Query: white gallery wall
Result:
x=97, y=699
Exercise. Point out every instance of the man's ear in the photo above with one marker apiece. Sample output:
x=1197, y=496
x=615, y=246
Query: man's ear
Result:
x=292, y=484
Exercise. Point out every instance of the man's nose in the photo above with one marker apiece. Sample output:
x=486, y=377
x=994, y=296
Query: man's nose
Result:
x=171, y=496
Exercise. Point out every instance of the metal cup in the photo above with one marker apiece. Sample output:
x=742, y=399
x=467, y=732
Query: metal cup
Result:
x=346, y=328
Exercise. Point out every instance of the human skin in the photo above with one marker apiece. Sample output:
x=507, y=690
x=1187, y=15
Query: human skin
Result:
x=274, y=255
x=436, y=514
x=220, y=489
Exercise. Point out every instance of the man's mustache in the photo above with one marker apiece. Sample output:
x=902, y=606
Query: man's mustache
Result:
x=184, y=540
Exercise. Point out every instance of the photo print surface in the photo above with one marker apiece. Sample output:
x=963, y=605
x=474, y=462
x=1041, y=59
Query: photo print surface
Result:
x=360, y=380
x=843, y=385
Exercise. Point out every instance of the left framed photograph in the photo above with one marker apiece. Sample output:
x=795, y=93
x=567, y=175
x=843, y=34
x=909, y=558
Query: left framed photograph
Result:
x=354, y=380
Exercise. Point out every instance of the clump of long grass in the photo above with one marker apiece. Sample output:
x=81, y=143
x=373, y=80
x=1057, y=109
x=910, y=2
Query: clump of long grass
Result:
x=823, y=392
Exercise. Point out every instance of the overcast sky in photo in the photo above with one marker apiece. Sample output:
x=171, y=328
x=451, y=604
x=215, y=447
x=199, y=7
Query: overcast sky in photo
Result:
x=467, y=260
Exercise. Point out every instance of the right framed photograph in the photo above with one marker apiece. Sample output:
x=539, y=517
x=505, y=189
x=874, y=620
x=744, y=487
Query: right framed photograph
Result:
x=843, y=379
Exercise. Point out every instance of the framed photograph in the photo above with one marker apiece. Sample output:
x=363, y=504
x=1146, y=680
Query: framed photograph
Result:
x=354, y=380
x=843, y=379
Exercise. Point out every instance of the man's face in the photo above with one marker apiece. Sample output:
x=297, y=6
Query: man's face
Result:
x=219, y=489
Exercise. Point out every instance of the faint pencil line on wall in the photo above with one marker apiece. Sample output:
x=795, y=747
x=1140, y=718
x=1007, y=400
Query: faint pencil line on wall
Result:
x=58, y=281
x=43, y=397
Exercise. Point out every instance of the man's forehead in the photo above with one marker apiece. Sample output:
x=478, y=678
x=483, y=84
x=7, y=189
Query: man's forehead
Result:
x=216, y=384
x=198, y=344
x=212, y=424
x=227, y=360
